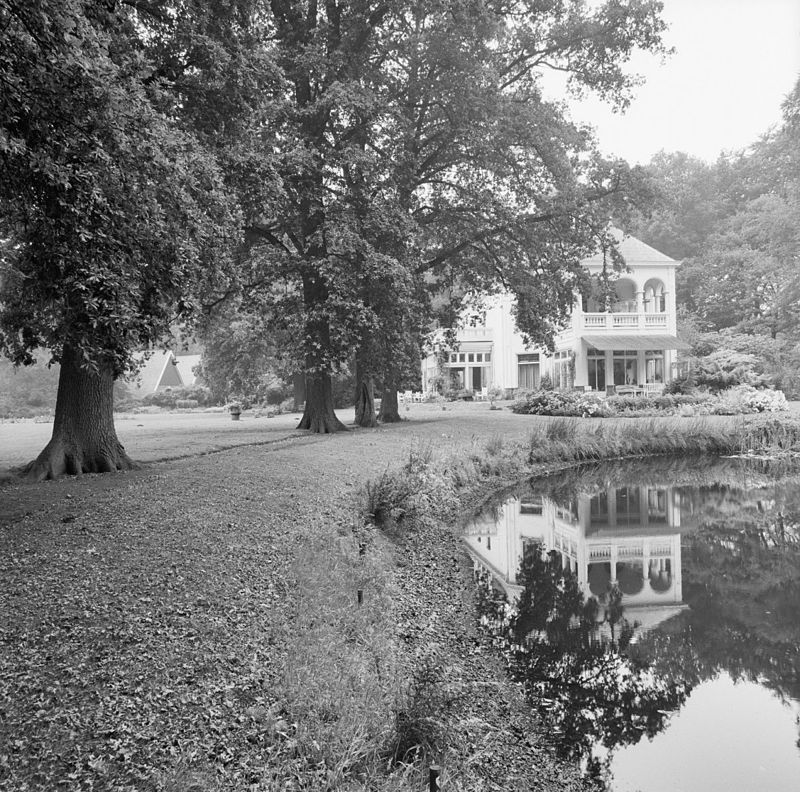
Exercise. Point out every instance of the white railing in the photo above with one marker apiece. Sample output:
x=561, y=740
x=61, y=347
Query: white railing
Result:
x=629, y=551
x=474, y=334
x=621, y=321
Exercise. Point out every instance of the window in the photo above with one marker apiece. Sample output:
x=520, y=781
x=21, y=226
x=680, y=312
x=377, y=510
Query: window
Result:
x=628, y=508
x=471, y=357
x=625, y=367
x=462, y=358
x=598, y=509
x=657, y=505
x=531, y=506
x=528, y=371
x=597, y=370
x=563, y=371
x=654, y=365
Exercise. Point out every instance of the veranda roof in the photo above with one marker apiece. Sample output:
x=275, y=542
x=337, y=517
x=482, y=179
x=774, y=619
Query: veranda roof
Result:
x=604, y=342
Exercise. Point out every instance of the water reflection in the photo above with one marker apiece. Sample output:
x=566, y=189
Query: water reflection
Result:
x=617, y=592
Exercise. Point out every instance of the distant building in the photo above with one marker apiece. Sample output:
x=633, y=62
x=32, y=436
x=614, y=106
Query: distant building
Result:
x=186, y=365
x=162, y=370
x=630, y=344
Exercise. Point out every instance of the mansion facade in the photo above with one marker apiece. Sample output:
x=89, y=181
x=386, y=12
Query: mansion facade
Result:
x=628, y=346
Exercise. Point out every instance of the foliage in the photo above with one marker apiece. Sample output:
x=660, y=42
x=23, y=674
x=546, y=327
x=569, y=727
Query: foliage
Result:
x=734, y=225
x=747, y=399
x=725, y=368
x=564, y=403
x=729, y=401
x=417, y=156
x=169, y=397
x=421, y=716
x=495, y=393
x=241, y=359
x=26, y=392
x=110, y=213
x=587, y=689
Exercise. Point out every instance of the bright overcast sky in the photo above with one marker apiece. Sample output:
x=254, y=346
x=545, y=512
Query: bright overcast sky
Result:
x=734, y=62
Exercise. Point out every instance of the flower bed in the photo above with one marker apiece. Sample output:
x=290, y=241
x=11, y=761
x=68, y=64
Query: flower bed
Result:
x=734, y=401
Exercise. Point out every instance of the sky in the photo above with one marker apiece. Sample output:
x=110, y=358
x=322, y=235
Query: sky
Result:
x=734, y=62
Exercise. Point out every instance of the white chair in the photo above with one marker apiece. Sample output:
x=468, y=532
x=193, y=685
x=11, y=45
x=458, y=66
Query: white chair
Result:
x=653, y=388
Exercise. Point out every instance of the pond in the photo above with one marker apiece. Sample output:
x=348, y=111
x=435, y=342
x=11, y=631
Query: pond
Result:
x=651, y=609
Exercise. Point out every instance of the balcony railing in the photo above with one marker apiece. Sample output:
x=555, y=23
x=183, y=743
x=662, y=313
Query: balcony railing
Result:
x=474, y=334
x=621, y=321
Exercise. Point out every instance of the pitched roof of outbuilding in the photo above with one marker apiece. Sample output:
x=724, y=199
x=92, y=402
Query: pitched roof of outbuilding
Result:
x=186, y=364
x=149, y=376
x=633, y=250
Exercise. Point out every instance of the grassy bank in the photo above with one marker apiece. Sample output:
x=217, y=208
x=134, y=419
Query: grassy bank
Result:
x=196, y=625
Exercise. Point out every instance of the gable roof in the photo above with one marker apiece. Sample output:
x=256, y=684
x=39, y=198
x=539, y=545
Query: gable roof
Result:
x=152, y=373
x=185, y=365
x=633, y=250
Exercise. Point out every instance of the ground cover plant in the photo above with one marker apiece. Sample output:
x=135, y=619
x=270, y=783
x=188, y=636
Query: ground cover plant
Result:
x=737, y=400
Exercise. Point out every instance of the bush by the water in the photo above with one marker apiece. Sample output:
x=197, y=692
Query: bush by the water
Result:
x=738, y=400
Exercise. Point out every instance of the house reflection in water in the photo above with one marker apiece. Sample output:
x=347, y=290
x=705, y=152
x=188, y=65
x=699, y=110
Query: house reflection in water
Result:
x=626, y=536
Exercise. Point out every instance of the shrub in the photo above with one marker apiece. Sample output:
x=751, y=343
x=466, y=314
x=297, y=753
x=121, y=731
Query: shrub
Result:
x=563, y=403
x=495, y=393
x=169, y=397
x=726, y=368
x=420, y=728
x=747, y=399
x=186, y=404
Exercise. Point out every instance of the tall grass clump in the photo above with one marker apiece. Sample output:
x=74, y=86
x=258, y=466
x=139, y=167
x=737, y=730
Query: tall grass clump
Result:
x=343, y=677
x=421, y=718
x=424, y=489
x=575, y=440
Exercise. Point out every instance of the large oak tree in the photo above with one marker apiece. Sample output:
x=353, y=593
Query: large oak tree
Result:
x=418, y=153
x=112, y=215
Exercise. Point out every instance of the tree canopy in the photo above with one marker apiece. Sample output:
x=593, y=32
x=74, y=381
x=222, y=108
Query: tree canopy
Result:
x=734, y=225
x=112, y=213
x=332, y=167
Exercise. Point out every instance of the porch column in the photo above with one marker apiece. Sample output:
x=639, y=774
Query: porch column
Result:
x=640, y=308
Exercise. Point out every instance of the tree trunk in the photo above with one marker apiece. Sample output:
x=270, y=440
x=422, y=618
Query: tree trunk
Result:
x=298, y=390
x=84, y=438
x=390, y=411
x=365, y=404
x=319, y=415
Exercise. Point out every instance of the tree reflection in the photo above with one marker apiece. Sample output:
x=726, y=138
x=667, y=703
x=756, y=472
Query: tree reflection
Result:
x=741, y=575
x=569, y=652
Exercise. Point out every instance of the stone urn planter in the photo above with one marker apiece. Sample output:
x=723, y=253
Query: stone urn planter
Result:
x=235, y=410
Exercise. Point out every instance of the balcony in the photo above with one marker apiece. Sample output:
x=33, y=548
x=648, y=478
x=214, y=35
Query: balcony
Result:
x=621, y=321
x=475, y=334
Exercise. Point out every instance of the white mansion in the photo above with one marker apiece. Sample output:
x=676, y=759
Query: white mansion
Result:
x=631, y=347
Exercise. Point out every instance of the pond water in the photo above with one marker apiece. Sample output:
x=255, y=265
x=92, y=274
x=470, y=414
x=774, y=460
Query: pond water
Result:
x=652, y=612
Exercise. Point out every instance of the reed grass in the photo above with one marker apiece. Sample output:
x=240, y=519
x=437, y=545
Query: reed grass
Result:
x=577, y=440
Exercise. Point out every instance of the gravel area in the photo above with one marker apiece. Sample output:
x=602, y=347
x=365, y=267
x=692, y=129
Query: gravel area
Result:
x=148, y=615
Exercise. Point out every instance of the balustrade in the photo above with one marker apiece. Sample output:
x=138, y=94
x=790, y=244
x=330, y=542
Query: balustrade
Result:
x=611, y=321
